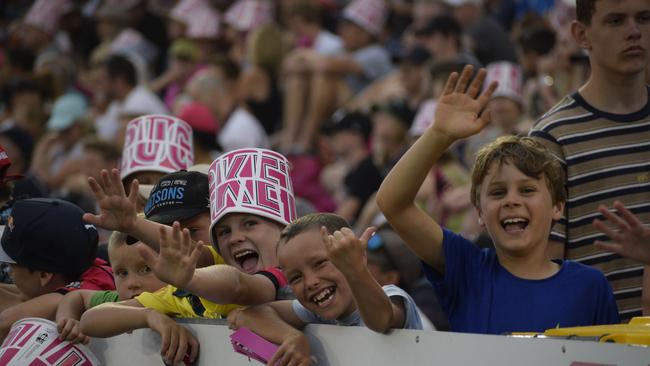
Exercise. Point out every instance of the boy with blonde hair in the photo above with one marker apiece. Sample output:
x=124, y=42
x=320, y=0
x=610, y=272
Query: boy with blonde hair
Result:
x=518, y=191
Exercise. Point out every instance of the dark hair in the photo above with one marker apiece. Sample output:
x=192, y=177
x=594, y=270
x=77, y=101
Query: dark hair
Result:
x=228, y=68
x=21, y=58
x=585, y=10
x=540, y=40
x=529, y=156
x=446, y=25
x=309, y=11
x=107, y=150
x=120, y=67
x=18, y=86
x=331, y=222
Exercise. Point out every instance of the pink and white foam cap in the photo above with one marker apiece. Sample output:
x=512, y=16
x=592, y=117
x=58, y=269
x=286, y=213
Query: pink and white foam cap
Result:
x=510, y=79
x=252, y=181
x=35, y=341
x=157, y=143
x=245, y=15
x=367, y=14
x=201, y=20
x=45, y=14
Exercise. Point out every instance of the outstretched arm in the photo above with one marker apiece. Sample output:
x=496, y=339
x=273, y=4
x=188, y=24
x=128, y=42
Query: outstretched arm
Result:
x=348, y=254
x=70, y=309
x=460, y=113
x=43, y=306
x=111, y=319
x=221, y=284
x=277, y=323
x=118, y=212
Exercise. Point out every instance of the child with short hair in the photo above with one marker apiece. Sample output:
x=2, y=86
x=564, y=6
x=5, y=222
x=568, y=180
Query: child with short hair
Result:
x=518, y=191
x=325, y=264
x=132, y=277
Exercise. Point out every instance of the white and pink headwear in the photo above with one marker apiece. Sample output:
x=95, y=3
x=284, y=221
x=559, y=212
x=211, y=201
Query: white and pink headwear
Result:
x=252, y=181
x=245, y=15
x=157, y=143
x=367, y=14
x=201, y=20
x=45, y=14
x=510, y=78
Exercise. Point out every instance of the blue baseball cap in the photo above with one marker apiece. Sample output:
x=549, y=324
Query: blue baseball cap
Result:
x=48, y=235
x=67, y=109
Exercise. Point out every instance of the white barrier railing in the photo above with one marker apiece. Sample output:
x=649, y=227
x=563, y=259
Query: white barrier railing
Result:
x=338, y=346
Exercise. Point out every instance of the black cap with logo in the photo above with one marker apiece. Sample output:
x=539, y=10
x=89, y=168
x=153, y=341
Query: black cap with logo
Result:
x=178, y=196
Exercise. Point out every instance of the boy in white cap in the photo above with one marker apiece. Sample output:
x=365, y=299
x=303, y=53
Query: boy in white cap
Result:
x=155, y=145
x=329, y=80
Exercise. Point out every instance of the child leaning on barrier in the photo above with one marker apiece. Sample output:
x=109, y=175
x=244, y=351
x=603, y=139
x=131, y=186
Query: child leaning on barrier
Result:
x=132, y=277
x=518, y=191
x=325, y=264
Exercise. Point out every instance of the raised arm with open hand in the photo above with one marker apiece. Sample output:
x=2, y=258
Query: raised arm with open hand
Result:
x=117, y=210
x=176, y=262
x=461, y=112
x=630, y=238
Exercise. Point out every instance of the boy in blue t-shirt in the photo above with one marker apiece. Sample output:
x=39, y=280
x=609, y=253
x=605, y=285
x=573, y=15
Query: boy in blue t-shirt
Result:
x=518, y=191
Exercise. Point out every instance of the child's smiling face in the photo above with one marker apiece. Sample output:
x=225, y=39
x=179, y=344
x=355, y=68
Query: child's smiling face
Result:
x=315, y=281
x=517, y=210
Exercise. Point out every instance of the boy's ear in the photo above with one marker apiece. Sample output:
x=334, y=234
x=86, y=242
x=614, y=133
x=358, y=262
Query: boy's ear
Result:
x=579, y=32
x=481, y=222
x=45, y=277
x=558, y=211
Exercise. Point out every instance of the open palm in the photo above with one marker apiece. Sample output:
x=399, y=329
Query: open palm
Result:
x=461, y=110
x=117, y=210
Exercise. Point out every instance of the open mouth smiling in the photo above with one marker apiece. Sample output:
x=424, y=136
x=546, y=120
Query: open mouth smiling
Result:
x=247, y=259
x=514, y=224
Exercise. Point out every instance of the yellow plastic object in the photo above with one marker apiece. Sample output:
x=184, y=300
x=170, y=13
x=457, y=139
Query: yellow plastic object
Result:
x=640, y=320
x=637, y=331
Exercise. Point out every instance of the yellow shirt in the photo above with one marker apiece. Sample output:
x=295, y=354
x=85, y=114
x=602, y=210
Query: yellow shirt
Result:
x=181, y=304
x=218, y=259
x=176, y=303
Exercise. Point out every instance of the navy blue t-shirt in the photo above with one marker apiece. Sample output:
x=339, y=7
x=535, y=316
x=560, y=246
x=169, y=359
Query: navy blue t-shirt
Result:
x=480, y=296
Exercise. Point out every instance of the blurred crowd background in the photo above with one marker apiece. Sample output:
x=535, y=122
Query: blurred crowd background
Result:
x=342, y=88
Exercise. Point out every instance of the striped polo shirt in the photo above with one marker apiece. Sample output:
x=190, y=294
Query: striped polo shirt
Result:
x=607, y=158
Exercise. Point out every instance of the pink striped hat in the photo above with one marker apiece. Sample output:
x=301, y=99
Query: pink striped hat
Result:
x=244, y=15
x=203, y=23
x=253, y=181
x=367, y=14
x=45, y=14
x=510, y=79
x=157, y=143
x=181, y=11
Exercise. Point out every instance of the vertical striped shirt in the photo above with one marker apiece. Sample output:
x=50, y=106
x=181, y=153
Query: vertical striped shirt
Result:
x=606, y=157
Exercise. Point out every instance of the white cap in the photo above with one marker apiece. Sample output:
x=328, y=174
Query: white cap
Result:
x=367, y=14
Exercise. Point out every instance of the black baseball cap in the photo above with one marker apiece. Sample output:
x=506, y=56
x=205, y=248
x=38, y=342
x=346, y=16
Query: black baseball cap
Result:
x=178, y=196
x=349, y=121
x=48, y=235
